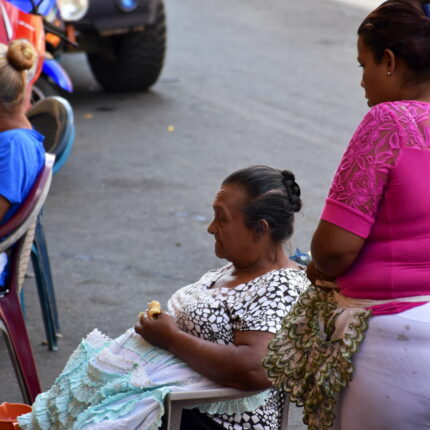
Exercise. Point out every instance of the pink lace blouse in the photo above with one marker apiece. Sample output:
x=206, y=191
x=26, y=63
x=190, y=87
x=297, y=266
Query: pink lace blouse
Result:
x=381, y=192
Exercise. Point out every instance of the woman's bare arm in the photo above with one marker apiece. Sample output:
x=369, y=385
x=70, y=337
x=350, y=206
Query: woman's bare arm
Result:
x=236, y=365
x=334, y=249
x=4, y=207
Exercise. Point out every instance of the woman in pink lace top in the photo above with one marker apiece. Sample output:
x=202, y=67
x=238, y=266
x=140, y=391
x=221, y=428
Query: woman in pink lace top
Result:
x=374, y=233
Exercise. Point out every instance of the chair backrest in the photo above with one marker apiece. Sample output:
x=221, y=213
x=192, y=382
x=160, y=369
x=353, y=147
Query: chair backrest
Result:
x=13, y=229
x=21, y=226
x=53, y=118
x=49, y=117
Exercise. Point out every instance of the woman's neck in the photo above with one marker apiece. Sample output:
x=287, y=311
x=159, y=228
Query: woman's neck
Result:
x=418, y=92
x=245, y=271
x=10, y=120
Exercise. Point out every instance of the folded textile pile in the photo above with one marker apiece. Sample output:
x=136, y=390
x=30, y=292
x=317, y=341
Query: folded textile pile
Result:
x=119, y=384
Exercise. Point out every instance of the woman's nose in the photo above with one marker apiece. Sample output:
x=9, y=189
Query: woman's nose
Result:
x=362, y=83
x=211, y=229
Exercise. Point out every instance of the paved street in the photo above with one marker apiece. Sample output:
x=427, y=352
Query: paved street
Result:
x=244, y=82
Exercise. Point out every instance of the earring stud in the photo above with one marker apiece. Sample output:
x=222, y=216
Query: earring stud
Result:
x=389, y=73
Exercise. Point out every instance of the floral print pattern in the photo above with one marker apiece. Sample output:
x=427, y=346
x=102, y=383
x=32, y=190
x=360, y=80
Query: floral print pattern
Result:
x=375, y=149
x=215, y=313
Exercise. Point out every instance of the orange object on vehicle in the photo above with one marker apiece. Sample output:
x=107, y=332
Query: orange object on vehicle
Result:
x=52, y=39
x=71, y=33
x=9, y=412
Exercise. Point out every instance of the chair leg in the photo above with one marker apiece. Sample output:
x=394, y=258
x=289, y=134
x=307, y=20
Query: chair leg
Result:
x=19, y=346
x=22, y=300
x=285, y=411
x=42, y=250
x=42, y=271
x=48, y=318
x=174, y=418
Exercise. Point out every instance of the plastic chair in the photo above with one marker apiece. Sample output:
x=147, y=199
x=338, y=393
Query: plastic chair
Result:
x=53, y=118
x=177, y=400
x=45, y=284
x=18, y=235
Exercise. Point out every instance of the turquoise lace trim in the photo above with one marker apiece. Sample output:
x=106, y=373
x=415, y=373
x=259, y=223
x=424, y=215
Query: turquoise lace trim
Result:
x=83, y=394
x=98, y=384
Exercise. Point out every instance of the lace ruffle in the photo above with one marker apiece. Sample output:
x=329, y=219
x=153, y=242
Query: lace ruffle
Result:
x=310, y=357
x=125, y=379
x=84, y=393
x=238, y=406
x=375, y=149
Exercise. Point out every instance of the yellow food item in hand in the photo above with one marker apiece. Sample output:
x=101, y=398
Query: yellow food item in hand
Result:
x=154, y=308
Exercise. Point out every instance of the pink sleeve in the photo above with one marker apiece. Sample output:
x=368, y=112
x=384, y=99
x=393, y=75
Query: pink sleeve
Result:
x=364, y=171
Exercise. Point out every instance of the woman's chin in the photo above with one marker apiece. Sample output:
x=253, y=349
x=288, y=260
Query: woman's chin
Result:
x=218, y=251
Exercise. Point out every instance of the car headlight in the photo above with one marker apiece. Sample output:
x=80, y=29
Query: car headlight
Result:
x=72, y=10
x=126, y=5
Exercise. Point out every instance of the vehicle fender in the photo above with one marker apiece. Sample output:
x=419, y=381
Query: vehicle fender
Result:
x=55, y=71
x=44, y=7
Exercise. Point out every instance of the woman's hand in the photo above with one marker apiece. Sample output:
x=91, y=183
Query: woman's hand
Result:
x=318, y=278
x=312, y=272
x=158, y=331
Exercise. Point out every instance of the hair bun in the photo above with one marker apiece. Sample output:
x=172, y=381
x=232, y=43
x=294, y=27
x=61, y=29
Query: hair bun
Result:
x=21, y=54
x=293, y=190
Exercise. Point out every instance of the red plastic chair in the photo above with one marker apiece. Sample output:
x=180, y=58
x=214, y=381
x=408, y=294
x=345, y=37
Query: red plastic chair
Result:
x=18, y=235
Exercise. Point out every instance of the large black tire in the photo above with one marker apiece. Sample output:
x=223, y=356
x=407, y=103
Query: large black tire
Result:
x=137, y=58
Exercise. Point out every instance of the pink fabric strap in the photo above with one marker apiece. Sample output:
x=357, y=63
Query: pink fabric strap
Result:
x=349, y=302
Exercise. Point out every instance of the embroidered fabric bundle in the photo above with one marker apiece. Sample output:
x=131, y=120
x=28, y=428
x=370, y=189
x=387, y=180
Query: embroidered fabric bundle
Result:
x=119, y=383
x=310, y=357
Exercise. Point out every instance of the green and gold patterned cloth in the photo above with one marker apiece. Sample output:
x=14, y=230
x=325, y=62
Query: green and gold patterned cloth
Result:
x=310, y=357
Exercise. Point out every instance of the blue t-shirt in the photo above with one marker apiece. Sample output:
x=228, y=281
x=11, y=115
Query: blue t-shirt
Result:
x=22, y=156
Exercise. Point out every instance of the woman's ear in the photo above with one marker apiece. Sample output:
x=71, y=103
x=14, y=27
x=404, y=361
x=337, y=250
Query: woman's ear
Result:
x=389, y=59
x=261, y=229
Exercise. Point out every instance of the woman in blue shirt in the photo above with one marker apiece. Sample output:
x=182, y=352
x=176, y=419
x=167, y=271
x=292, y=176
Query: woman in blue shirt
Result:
x=22, y=154
x=21, y=149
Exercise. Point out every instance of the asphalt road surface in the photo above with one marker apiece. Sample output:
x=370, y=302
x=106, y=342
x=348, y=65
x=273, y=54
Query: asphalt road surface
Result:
x=244, y=82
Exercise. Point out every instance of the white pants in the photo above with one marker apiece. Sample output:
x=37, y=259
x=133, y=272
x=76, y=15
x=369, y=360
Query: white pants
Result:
x=390, y=389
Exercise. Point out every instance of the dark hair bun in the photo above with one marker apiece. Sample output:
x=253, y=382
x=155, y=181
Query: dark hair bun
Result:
x=271, y=195
x=293, y=190
x=21, y=54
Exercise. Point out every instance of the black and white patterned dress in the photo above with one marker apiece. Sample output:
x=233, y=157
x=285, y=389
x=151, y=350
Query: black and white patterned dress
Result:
x=215, y=314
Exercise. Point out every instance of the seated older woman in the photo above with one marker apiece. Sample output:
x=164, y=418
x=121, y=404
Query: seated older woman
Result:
x=218, y=328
